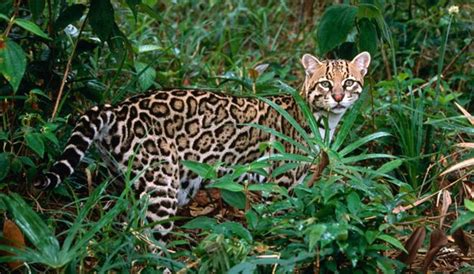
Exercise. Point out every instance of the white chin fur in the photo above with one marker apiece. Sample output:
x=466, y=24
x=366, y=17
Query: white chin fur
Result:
x=338, y=110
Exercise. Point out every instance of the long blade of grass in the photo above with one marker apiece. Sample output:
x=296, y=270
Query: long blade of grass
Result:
x=348, y=121
x=348, y=149
x=85, y=209
x=281, y=136
x=32, y=226
x=289, y=118
x=357, y=158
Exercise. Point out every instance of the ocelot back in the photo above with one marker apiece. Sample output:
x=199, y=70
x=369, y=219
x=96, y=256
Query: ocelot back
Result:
x=157, y=130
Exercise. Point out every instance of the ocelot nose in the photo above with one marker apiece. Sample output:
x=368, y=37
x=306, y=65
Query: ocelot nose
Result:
x=338, y=97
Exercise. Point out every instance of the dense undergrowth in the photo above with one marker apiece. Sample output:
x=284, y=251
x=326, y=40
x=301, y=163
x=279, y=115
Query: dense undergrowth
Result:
x=388, y=166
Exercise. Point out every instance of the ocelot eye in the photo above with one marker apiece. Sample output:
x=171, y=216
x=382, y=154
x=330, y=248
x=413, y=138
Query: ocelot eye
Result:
x=348, y=83
x=325, y=84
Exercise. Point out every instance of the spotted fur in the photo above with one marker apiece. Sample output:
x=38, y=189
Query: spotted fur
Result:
x=157, y=130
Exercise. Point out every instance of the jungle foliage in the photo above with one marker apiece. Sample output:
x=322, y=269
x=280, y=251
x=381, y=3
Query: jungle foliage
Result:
x=400, y=165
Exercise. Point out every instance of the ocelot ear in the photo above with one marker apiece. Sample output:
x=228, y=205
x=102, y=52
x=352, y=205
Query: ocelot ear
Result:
x=310, y=63
x=362, y=62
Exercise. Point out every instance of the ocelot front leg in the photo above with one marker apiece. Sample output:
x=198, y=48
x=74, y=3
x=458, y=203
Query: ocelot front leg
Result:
x=159, y=183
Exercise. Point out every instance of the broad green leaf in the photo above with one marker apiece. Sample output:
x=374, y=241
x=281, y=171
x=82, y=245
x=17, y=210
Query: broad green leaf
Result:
x=12, y=62
x=336, y=23
x=4, y=165
x=371, y=235
x=354, y=203
x=469, y=205
x=314, y=234
x=35, y=142
x=31, y=27
x=368, y=39
x=70, y=15
x=368, y=11
x=243, y=267
x=463, y=219
x=252, y=219
x=389, y=239
x=146, y=75
x=235, y=229
x=101, y=18
x=234, y=199
x=388, y=167
x=205, y=171
x=36, y=8
x=201, y=222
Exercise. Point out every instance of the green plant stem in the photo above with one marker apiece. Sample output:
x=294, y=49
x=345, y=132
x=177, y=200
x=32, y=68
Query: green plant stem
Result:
x=441, y=61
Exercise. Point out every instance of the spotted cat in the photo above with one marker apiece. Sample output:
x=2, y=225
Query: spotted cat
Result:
x=158, y=130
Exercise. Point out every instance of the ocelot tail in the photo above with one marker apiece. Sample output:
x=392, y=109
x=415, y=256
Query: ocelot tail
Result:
x=157, y=130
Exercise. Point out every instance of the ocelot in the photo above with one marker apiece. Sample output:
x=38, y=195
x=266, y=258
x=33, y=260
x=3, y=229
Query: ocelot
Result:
x=157, y=130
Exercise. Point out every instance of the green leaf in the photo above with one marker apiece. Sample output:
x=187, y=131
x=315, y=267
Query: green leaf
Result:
x=36, y=8
x=205, y=171
x=315, y=233
x=201, y=222
x=469, y=205
x=4, y=165
x=32, y=226
x=269, y=187
x=146, y=75
x=35, y=142
x=361, y=142
x=228, y=185
x=235, y=229
x=389, y=239
x=388, y=167
x=234, y=199
x=336, y=23
x=462, y=220
x=31, y=27
x=70, y=15
x=349, y=120
x=368, y=11
x=354, y=203
x=252, y=219
x=367, y=36
x=101, y=18
x=12, y=62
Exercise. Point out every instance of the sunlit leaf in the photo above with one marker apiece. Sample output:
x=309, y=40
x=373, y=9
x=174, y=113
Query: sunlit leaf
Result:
x=31, y=27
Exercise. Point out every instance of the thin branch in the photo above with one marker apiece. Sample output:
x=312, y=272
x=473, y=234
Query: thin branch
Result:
x=66, y=71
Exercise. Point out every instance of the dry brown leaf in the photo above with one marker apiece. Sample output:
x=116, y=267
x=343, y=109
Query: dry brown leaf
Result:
x=412, y=245
x=14, y=238
x=445, y=203
x=437, y=240
x=465, y=145
x=461, y=240
x=466, y=113
x=463, y=164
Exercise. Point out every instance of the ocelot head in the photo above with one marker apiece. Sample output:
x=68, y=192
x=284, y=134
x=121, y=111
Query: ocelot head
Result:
x=334, y=85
